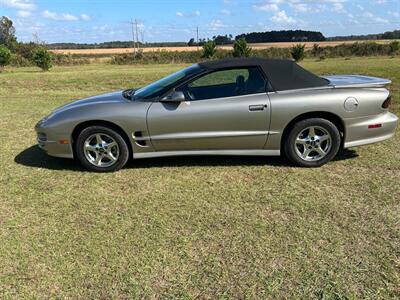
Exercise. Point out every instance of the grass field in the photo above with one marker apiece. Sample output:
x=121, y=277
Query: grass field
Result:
x=257, y=46
x=201, y=227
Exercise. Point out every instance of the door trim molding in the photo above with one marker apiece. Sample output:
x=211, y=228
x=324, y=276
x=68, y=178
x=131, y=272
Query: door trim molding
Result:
x=207, y=135
x=249, y=152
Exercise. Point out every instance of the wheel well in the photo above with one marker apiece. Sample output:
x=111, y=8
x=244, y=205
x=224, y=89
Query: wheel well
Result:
x=336, y=120
x=81, y=126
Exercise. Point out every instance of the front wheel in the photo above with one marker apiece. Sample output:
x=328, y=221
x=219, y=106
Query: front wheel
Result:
x=101, y=149
x=312, y=142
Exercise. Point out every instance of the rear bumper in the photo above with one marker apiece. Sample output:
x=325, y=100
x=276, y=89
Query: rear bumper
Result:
x=358, y=133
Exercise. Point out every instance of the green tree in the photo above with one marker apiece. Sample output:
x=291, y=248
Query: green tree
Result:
x=209, y=49
x=42, y=58
x=298, y=52
x=5, y=57
x=191, y=42
x=241, y=49
x=7, y=33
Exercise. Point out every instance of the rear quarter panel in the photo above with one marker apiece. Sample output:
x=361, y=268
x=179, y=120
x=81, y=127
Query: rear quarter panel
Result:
x=286, y=106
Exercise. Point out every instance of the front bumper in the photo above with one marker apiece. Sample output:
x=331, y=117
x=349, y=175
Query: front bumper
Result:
x=358, y=133
x=50, y=142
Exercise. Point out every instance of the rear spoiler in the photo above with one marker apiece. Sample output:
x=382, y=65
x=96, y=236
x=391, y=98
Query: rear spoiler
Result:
x=353, y=81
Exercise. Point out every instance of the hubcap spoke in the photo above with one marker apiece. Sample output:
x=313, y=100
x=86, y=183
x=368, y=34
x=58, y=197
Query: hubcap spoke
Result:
x=111, y=156
x=324, y=138
x=311, y=132
x=320, y=151
x=98, y=159
x=301, y=141
x=110, y=145
x=306, y=153
x=89, y=147
x=99, y=140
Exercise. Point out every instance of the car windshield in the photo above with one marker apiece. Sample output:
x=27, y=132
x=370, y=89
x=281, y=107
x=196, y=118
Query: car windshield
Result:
x=154, y=89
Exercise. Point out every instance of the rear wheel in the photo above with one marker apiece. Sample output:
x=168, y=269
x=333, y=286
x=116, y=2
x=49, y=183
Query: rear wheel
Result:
x=101, y=149
x=312, y=142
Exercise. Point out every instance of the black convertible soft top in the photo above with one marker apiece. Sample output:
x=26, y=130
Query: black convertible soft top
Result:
x=282, y=74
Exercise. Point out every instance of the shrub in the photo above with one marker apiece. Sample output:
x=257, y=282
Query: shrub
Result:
x=241, y=49
x=69, y=60
x=19, y=61
x=5, y=57
x=209, y=49
x=298, y=52
x=394, y=47
x=26, y=50
x=42, y=58
x=316, y=50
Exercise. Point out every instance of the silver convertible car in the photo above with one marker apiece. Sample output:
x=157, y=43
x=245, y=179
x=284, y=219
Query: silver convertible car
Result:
x=247, y=106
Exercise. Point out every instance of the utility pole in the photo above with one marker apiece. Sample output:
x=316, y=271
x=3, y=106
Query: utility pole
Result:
x=133, y=37
x=137, y=34
x=142, y=36
x=197, y=32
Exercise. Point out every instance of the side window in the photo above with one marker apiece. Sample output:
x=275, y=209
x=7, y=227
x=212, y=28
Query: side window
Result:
x=226, y=83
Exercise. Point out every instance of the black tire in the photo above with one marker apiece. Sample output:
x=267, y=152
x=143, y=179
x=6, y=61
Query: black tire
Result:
x=319, y=124
x=123, y=150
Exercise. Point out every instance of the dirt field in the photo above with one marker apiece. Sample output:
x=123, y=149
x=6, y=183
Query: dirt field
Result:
x=229, y=47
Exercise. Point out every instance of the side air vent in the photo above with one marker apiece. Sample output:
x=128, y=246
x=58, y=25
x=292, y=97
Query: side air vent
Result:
x=140, y=139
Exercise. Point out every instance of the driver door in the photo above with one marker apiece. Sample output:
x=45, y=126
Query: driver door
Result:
x=227, y=109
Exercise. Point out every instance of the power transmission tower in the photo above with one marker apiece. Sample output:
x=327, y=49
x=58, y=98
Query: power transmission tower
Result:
x=142, y=36
x=133, y=36
x=197, y=32
x=137, y=34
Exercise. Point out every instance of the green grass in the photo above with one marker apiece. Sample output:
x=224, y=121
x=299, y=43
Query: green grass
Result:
x=202, y=227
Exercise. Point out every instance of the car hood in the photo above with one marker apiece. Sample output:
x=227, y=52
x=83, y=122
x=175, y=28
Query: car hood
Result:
x=114, y=97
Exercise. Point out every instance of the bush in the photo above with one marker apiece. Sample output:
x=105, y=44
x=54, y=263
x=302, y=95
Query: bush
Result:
x=42, y=58
x=316, y=50
x=209, y=49
x=5, y=57
x=394, y=47
x=68, y=60
x=19, y=61
x=298, y=52
x=26, y=50
x=240, y=48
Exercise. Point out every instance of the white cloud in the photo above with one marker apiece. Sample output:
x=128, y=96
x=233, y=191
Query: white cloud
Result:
x=18, y=4
x=215, y=25
x=394, y=14
x=267, y=6
x=374, y=18
x=24, y=14
x=338, y=7
x=226, y=12
x=59, y=17
x=195, y=13
x=85, y=17
x=282, y=18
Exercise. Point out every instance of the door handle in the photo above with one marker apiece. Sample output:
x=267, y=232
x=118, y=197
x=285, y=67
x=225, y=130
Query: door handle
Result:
x=257, y=107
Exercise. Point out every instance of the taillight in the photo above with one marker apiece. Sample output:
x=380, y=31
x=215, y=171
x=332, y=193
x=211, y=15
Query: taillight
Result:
x=387, y=102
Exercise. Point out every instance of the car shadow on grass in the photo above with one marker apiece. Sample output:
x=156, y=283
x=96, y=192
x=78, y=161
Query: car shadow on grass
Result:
x=37, y=158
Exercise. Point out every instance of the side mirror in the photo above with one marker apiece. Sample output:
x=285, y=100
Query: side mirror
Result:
x=175, y=96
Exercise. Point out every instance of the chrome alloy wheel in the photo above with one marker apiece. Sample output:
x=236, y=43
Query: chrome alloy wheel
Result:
x=101, y=150
x=313, y=143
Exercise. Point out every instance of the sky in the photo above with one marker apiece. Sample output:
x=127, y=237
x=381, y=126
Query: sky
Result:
x=88, y=21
